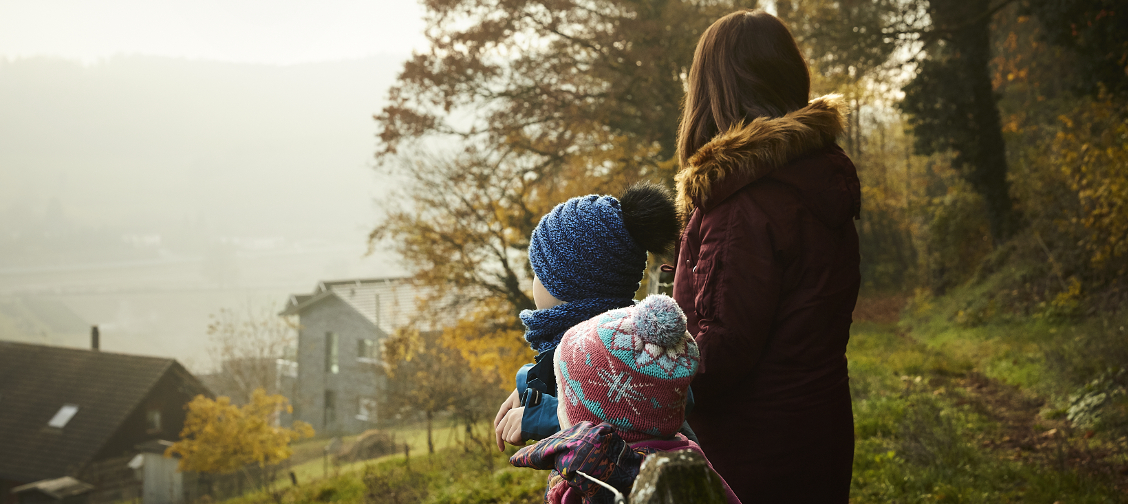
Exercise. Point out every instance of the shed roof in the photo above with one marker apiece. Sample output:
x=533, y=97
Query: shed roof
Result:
x=58, y=488
x=37, y=381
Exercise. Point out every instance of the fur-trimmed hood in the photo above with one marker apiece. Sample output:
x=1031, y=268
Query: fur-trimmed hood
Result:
x=747, y=152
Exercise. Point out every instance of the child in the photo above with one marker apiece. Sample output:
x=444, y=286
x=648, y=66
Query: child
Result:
x=588, y=256
x=624, y=379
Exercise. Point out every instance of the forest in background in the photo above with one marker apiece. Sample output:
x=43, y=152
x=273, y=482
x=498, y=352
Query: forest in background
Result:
x=988, y=137
x=991, y=140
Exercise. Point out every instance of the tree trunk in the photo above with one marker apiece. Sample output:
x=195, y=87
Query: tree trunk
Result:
x=467, y=437
x=430, y=443
x=967, y=24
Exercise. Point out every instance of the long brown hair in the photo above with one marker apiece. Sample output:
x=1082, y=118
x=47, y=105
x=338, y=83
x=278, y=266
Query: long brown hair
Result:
x=746, y=65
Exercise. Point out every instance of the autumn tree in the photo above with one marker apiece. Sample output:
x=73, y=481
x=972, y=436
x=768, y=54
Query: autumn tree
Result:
x=945, y=47
x=427, y=376
x=952, y=104
x=514, y=107
x=952, y=100
x=245, y=343
x=220, y=437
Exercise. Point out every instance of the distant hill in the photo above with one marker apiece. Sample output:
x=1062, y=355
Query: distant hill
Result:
x=37, y=320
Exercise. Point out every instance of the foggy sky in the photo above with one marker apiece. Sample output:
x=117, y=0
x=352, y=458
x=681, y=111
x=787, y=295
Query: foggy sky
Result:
x=162, y=160
x=248, y=31
x=246, y=150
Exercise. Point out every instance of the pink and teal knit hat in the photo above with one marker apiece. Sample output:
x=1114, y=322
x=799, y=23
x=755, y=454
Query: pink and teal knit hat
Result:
x=629, y=367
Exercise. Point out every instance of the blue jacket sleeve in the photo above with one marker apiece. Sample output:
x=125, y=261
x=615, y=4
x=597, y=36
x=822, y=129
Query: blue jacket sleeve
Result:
x=539, y=421
x=523, y=379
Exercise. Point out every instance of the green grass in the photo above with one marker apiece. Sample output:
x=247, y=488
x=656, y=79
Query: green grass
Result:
x=450, y=476
x=921, y=436
x=312, y=464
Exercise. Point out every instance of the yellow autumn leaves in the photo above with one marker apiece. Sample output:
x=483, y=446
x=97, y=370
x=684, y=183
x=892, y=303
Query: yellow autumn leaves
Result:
x=220, y=437
x=1092, y=147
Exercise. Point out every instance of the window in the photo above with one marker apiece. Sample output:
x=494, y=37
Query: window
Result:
x=330, y=414
x=365, y=349
x=366, y=409
x=287, y=368
x=153, y=420
x=332, y=357
x=64, y=415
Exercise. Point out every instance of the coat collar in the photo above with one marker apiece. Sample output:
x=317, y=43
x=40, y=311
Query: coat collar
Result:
x=747, y=152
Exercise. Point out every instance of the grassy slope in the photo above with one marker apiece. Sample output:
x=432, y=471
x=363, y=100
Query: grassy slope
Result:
x=945, y=413
x=451, y=475
x=310, y=465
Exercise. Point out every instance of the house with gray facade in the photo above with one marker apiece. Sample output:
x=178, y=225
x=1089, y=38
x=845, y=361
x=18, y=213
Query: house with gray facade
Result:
x=342, y=325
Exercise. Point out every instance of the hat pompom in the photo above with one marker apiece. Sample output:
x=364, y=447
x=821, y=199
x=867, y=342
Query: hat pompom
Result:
x=659, y=320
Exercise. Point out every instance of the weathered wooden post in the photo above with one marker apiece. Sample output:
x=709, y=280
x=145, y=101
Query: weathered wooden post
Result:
x=677, y=477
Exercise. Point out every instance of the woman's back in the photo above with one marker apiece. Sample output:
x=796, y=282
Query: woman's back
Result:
x=802, y=215
x=768, y=277
x=768, y=267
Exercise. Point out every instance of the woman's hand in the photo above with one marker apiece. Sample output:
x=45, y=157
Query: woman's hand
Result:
x=513, y=401
x=509, y=429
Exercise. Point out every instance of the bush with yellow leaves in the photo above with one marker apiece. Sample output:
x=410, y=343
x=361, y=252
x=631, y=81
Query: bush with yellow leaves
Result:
x=1092, y=150
x=219, y=437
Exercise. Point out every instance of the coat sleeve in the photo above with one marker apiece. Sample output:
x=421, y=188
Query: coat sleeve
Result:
x=539, y=421
x=737, y=286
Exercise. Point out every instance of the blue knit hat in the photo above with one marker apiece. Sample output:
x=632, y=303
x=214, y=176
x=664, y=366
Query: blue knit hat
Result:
x=582, y=249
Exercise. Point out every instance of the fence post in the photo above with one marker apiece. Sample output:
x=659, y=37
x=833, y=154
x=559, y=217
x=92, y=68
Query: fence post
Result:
x=677, y=477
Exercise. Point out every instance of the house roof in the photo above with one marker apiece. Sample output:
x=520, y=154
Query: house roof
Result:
x=388, y=303
x=37, y=381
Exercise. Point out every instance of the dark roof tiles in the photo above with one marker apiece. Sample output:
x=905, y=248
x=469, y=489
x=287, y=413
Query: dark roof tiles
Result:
x=36, y=381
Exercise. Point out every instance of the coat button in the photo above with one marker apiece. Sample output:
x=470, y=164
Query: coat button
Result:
x=695, y=269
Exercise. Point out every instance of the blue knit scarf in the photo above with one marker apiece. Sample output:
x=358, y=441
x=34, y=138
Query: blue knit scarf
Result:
x=544, y=328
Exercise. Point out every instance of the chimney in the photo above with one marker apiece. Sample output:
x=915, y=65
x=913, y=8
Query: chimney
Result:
x=94, y=338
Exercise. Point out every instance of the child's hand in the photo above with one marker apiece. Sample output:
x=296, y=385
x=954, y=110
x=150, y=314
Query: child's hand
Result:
x=509, y=429
x=513, y=401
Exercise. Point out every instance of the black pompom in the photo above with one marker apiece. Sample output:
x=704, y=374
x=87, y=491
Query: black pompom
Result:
x=650, y=217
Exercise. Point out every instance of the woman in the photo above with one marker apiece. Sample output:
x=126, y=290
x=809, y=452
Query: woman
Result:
x=767, y=269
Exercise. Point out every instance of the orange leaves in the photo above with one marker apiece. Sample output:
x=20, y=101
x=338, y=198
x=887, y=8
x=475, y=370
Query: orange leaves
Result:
x=491, y=341
x=1092, y=150
x=219, y=437
x=515, y=107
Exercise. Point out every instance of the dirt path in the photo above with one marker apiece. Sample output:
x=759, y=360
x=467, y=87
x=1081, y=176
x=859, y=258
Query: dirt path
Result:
x=1023, y=433
x=1027, y=436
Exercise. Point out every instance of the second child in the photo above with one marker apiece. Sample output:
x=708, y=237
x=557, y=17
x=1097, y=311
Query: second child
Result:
x=624, y=380
x=588, y=256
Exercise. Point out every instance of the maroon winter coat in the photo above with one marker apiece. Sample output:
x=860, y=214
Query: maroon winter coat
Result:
x=767, y=274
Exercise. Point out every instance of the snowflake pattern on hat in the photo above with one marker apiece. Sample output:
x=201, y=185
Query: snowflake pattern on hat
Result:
x=616, y=330
x=615, y=369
